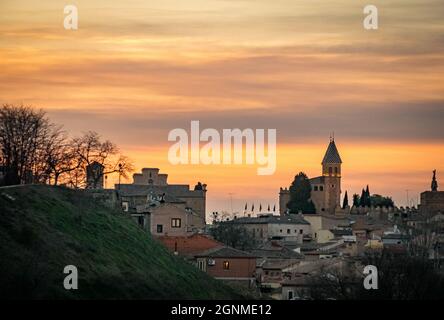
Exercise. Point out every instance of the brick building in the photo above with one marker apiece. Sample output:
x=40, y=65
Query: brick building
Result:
x=228, y=264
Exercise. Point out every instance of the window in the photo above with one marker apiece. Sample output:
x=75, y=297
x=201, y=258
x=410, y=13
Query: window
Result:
x=141, y=221
x=330, y=171
x=336, y=171
x=332, y=185
x=176, y=223
x=280, y=231
x=226, y=265
x=315, y=188
x=301, y=231
x=290, y=295
x=201, y=265
x=321, y=188
x=159, y=228
x=125, y=206
x=288, y=231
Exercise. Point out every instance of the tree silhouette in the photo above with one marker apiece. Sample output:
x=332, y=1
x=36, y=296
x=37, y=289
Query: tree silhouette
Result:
x=300, y=195
x=345, y=203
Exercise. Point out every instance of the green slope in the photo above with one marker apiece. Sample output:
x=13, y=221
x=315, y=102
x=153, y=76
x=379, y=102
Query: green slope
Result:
x=43, y=229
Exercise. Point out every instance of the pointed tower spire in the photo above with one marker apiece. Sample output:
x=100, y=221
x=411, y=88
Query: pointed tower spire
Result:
x=332, y=154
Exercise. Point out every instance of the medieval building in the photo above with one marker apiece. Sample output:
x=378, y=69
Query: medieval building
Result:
x=171, y=208
x=325, y=189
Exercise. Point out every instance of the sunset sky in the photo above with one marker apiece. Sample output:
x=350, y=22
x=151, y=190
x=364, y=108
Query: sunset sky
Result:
x=134, y=70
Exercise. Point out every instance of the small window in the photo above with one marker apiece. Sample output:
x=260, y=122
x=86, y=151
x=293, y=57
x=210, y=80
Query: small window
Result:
x=201, y=265
x=330, y=171
x=315, y=188
x=141, y=221
x=332, y=185
x=321, y=188
x=336, y=171
x=301, y=231
x=288, y=231
x=159, y=228
x=226, y=265
x=290, y=295
x=125, y=206
x=280, y=231
x=176, y=223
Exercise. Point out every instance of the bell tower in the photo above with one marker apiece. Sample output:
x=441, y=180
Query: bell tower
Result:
x=331, y=172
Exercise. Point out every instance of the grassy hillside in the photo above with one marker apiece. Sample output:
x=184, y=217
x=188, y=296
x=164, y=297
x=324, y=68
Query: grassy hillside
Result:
x=43, y=229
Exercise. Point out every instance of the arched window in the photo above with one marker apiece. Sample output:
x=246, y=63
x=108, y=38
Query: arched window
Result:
x=336, y=171
x=330, y=171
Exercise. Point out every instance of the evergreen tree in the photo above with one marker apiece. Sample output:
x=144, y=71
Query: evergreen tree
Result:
x=362, y=200
x=300, y=195
x=345, y=203
x=367, y=197
x=356, y=200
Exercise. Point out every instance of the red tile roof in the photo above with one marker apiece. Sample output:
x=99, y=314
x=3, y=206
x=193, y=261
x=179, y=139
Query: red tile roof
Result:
x=190, y=245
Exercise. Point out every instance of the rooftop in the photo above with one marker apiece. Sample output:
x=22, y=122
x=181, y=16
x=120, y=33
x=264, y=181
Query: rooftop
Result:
x=269, y=218
x=332, y=154
x=225, y=252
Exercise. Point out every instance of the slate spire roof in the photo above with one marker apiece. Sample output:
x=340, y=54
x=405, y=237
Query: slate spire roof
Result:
x=332, y=154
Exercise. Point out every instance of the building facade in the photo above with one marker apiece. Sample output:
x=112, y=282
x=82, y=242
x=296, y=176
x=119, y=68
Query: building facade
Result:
x=150, y=191
x=225, y=263
x=269, y=226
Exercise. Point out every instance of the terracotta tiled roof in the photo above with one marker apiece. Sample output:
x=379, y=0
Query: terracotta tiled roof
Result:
x=225, y=252
x=191, y=245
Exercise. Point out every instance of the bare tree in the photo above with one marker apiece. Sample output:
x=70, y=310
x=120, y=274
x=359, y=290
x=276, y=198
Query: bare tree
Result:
x=89, y=150
x=33, y=150
x=22, y=134
x=59, y=158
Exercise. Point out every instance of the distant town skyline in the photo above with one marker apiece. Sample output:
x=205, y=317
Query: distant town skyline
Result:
x=134, y=70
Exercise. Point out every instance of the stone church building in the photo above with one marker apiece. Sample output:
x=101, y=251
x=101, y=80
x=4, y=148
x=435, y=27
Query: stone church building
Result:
x=325, y=189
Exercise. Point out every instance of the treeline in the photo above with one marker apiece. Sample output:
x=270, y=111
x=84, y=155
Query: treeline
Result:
x=375, y=200
x=35, y=150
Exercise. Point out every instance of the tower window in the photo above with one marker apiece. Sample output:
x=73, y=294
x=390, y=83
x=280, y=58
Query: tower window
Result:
x=336, y=171
x=330, y=171
x=321, y=188
x=315, y=188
